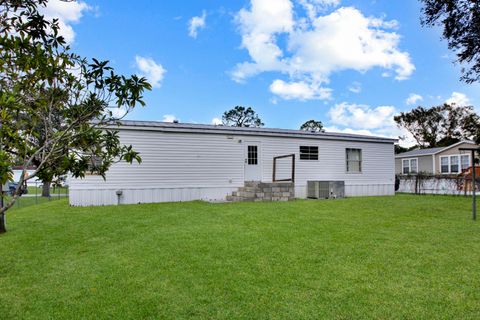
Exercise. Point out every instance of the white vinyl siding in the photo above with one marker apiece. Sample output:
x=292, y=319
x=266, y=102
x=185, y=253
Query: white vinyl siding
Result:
x=378, y=165
x=190, y=166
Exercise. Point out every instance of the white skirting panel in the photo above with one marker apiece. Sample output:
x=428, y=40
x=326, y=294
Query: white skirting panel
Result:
x=355, y=190
x=366, y=190
x=102, y=197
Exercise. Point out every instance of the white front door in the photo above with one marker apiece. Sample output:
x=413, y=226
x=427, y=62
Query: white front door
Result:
x=253, y=161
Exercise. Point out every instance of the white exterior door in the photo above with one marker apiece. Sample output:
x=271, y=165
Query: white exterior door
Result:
x=253, y=161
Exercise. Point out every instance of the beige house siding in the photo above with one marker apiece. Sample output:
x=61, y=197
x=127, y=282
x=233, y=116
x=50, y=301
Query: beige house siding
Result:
x=449, y=152
x=398, y=166
x=425, y=164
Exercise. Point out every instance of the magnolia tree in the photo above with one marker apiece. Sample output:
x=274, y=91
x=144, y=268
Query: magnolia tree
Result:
x=58, y=110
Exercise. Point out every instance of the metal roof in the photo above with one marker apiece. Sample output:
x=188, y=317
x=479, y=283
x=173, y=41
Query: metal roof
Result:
x=419, y=152
x=428, y=151
x=219, y=129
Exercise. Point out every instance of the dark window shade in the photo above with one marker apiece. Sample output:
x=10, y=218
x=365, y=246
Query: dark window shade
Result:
x=308, y=153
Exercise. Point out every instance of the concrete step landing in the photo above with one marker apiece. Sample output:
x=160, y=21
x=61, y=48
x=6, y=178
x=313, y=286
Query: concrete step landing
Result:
x=264, y=191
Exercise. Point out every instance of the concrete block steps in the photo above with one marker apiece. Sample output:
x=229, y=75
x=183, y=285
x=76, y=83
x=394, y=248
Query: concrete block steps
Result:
x=264, y=191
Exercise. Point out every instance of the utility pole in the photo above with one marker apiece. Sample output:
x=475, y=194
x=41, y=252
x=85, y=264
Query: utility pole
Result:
x=474, y=181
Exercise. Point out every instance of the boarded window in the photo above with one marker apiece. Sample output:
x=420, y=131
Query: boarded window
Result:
x=354, y=160
x=308, y=153
x=252, y=157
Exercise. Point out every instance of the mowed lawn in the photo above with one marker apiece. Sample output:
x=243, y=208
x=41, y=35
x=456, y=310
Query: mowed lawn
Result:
x=402, y=257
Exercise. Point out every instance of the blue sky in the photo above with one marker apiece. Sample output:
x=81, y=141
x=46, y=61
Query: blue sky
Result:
x=350, y=64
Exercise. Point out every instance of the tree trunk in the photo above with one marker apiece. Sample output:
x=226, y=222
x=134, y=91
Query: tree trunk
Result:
x=46, y=189
x=3, y=227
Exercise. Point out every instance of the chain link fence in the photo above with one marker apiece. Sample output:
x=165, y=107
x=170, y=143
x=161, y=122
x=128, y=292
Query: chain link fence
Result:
x=32, y=195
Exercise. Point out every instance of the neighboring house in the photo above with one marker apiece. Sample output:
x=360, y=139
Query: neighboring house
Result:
x=17, y=172
x=182, y=162
x=444, y=160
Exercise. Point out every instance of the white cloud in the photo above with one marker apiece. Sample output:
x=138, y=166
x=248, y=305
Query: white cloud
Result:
x=355, y=87
x=362, y=116
x=197, y=23
x=367, y=120
x=413, y=98
x=405, y=139
x=459, y=99
x=346, y=39
x=67, y=13
x=299, y=90
x=169, y=118
x=217, y=121
x=318, y=45
x=350, y=131
x=314, y=7
x=258, y=26
x=153, y=71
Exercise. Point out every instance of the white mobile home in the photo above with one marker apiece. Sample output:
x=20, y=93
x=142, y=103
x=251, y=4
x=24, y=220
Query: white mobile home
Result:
x=182, y=162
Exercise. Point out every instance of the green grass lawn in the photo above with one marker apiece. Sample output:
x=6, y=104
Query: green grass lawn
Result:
x=403, y=257
x=23, y=201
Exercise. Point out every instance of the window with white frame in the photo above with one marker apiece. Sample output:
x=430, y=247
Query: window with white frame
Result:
x=354, y=160
x=410, y=166
x=413, y=165
x=454, y=163
x=406, y=166
x=465, y=162
x=444, y=164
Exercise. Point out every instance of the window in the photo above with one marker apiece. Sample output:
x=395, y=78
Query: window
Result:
x=308, y=153
x=94, y=163
x=252, y=156
x=444, y=165
x=413, y=165
x=406, y=166
x=354, y=160
x=454, y=164
x=409, y=166
x=465, y=161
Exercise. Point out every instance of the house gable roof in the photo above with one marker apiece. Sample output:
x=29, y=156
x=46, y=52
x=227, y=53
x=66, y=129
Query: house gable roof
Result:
x=429, y=151
x=219, y=129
